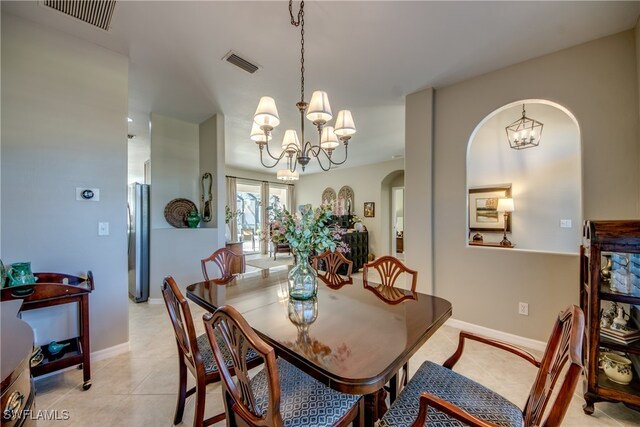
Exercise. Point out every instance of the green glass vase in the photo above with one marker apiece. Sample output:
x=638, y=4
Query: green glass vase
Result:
x=303, y=278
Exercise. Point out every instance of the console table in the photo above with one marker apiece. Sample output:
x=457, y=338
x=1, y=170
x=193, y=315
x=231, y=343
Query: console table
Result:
x=54, y=289
x=358, y=241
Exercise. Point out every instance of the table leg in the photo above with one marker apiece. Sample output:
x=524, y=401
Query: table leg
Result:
x=374, y=406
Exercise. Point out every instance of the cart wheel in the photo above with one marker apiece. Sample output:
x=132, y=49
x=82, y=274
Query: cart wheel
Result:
x=80, y=366
x=588, y=408
x=86, y=385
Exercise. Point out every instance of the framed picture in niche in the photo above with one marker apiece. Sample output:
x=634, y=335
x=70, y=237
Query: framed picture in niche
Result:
x=483, y=208
x=369, y=209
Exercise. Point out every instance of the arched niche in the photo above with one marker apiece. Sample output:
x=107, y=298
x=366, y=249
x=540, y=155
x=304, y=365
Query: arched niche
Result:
x=546, y=181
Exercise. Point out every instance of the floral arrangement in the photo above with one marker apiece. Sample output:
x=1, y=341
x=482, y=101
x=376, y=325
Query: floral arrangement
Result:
x=307, y=230
x=229, y=214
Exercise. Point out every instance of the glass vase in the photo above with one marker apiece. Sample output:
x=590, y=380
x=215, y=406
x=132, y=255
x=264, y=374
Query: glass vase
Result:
x=303, y=278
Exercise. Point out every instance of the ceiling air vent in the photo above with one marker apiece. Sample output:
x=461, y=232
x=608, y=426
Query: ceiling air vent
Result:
x=95, y=12
x=239, y=62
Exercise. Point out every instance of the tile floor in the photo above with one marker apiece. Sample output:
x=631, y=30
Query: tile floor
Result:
x=139, y=388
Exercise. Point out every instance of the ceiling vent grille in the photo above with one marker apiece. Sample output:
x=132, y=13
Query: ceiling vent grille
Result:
x=95, y=12
x=239, y=62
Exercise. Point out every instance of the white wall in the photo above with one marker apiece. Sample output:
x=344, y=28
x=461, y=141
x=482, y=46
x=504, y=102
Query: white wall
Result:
x=64, y=125
x=366, y=182
x=175, y=173
x=546, y=180
x=598, y=83
x=419, y=152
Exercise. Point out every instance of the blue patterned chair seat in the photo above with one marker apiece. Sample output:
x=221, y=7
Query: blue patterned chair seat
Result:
x=455, y=388
x=207, y=354
x=304, y=401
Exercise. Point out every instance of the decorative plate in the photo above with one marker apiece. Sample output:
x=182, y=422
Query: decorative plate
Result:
x=328, y=195
x=176, y=212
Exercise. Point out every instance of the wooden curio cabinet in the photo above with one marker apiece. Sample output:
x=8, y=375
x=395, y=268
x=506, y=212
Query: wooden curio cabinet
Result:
x=605, y=287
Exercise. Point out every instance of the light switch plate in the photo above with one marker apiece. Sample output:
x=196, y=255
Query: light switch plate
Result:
x=103, y=229
x=565, y=223
x=86, y=194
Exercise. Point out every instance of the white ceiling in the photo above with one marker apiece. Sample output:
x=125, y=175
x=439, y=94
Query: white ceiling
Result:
x=368, y=55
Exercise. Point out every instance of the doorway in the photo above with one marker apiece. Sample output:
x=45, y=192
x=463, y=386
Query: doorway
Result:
x=397, y=222
x=248, y=205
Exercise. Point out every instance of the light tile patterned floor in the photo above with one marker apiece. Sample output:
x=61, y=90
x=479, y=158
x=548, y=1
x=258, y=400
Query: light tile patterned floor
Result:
x=139, y=388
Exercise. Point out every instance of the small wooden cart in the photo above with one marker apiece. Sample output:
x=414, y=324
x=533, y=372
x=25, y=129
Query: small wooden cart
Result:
x=54, y=289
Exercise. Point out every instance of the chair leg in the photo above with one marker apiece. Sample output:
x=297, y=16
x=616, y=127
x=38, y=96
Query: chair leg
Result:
x=359, y=420
x=201, y=394
x=393, y=388
x=182, y=391
x=405, y=374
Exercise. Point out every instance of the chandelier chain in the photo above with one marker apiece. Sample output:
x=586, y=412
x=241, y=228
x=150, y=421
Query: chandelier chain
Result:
x=299, y=23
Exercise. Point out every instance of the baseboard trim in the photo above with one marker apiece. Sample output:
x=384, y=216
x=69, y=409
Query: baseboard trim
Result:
x=498, y=335
x=96, y=356
x=108, y=352
x=155, y=301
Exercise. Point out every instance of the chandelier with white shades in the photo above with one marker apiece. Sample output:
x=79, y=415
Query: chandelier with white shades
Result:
x=318, y=111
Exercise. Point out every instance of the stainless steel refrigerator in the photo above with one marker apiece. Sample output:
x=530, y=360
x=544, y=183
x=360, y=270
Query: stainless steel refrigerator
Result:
x=138, y=230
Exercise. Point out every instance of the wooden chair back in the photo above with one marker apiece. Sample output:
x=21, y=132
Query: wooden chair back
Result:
x=182, y=322
x=223, y=258
x=331, y=262
x=389, y=269
x=233, y=332
x=564, y=346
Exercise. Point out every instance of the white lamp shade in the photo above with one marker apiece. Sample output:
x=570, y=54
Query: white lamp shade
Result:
x=267, y=113
x=257, y=134
x=329, y=140
x=319, y=110
x=344, y=124
x=290, y=142
x=287, y=175
x=505, y=205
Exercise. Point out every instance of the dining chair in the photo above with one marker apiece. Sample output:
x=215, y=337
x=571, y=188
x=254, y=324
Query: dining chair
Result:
x=248, y=235
x=389, y=270
x=436, y=395
x=223, y=258
x=330, y=263
x=194, y=354
x=280, y=394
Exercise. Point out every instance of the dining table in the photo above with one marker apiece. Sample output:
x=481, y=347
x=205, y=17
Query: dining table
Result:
x=353, y=338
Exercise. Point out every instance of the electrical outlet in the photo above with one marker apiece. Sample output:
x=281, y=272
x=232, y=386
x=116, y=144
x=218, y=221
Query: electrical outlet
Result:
x=523, y=308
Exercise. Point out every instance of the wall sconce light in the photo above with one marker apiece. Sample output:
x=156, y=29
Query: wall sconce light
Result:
x=505, y=205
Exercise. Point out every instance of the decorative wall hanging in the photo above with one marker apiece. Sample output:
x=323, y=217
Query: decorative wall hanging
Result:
x=369, y=209
x=177, y=210
x=329, y=195
x=346, y=200
x=205, y=203
x=483, y=209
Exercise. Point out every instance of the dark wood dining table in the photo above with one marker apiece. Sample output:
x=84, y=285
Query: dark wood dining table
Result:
x=352, y=339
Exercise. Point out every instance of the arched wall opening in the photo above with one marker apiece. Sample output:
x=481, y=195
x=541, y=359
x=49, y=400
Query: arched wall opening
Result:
x=545, y=181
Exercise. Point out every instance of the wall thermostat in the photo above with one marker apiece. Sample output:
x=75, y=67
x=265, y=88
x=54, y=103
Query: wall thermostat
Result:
x=87, y=194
